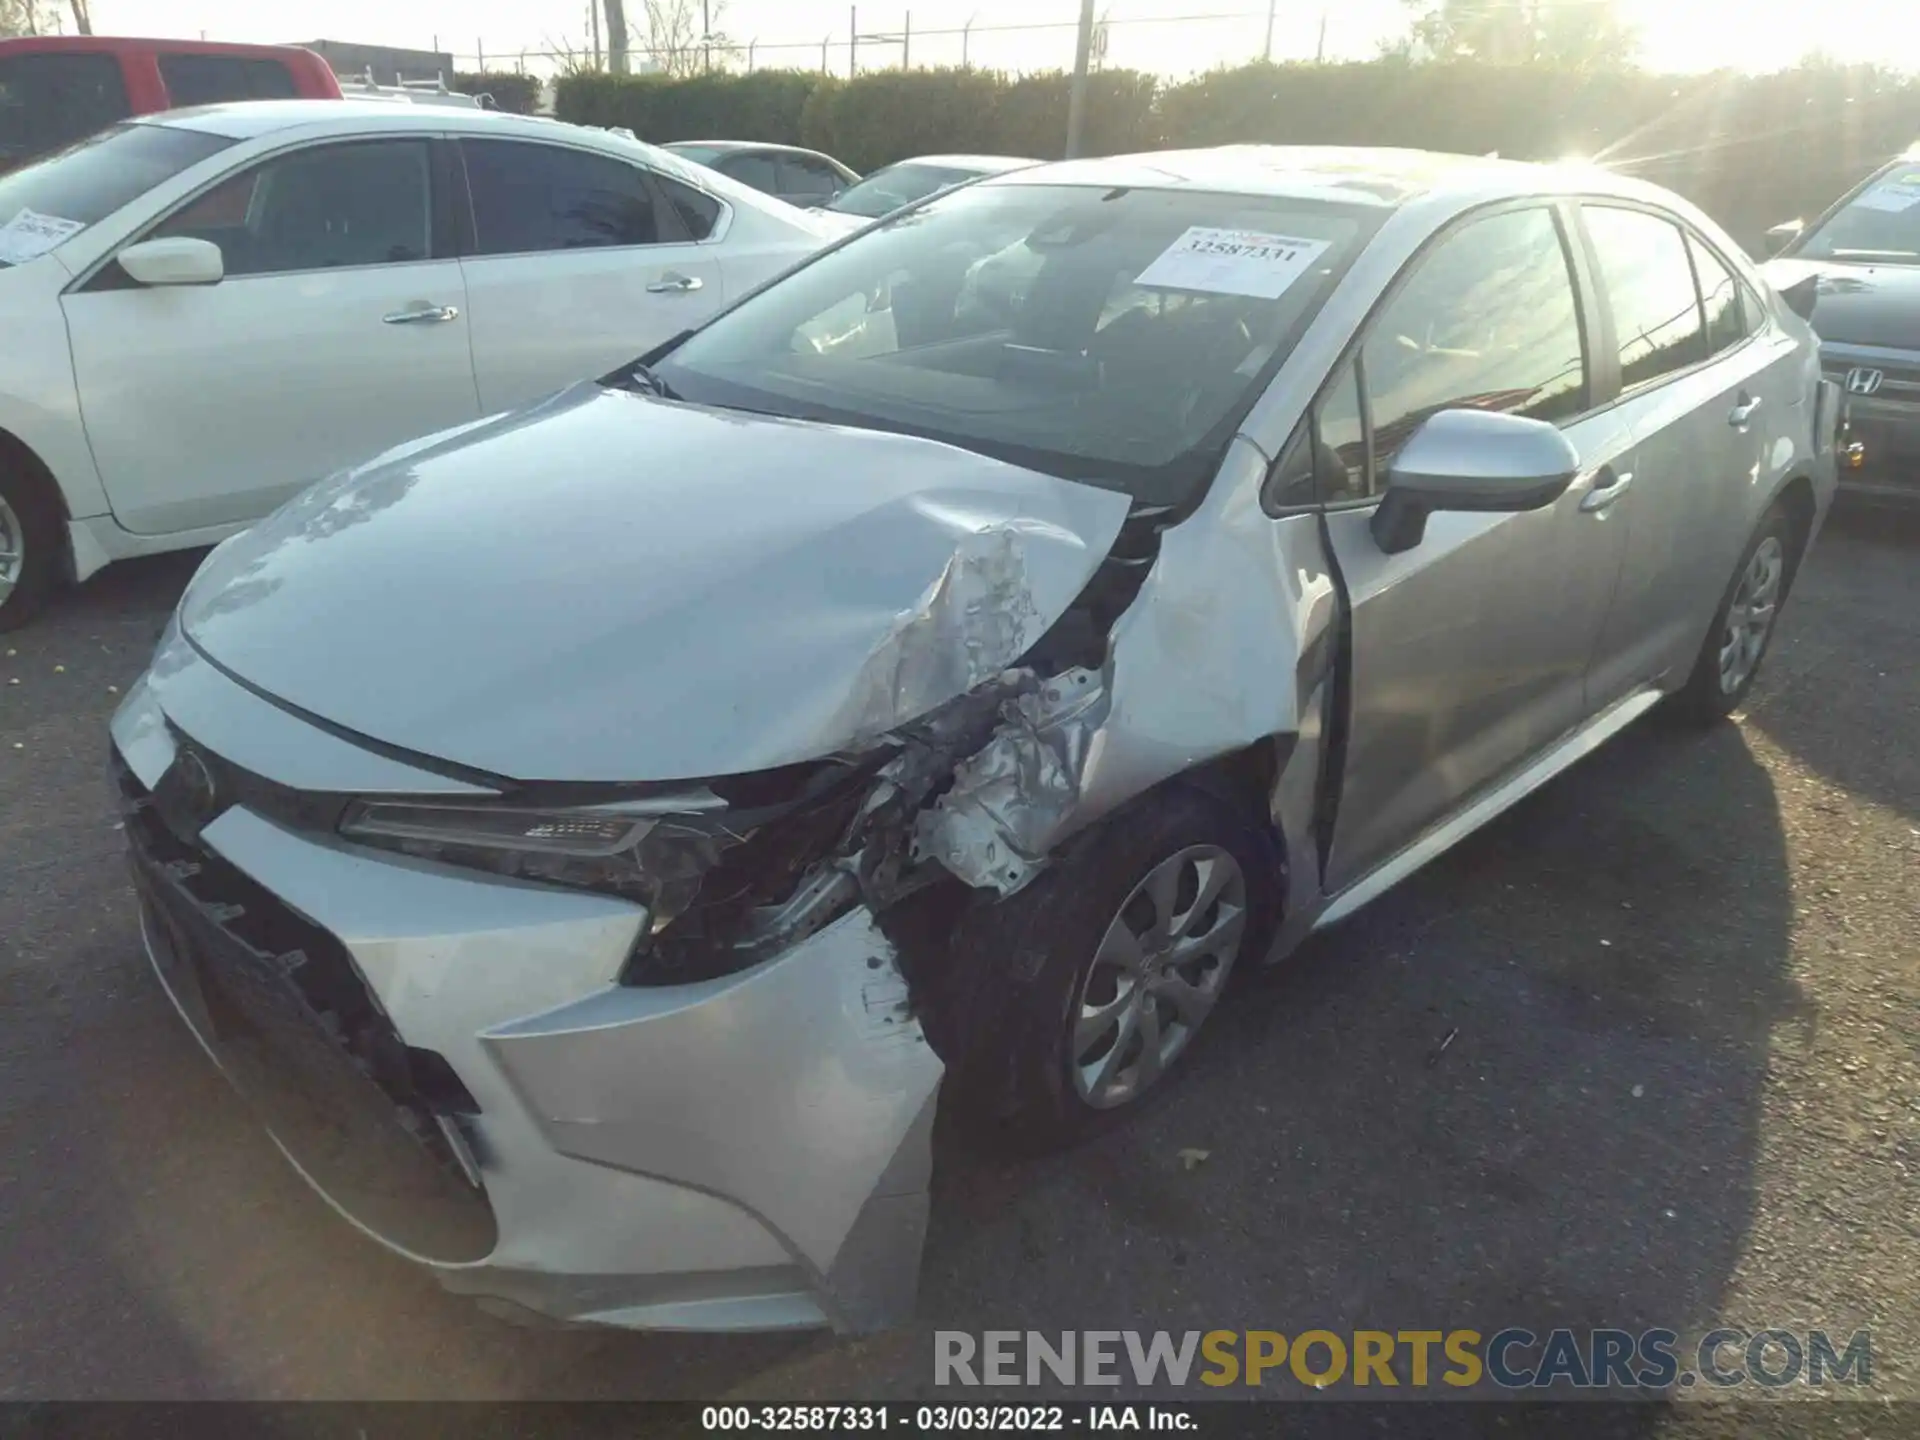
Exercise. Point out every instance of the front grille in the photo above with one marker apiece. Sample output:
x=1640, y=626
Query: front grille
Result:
x=378, y=1125
x=1900, y=383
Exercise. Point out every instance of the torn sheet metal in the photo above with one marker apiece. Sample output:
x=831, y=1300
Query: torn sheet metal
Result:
x=1010, y=800
x=970, y=623
x=1206, y=661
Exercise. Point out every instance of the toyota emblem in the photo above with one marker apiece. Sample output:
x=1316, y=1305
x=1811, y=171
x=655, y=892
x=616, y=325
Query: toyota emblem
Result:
x=1864, y=381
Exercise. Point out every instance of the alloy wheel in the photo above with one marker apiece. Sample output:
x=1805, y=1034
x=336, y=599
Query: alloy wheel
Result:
x=13, y=550
x=1156, y=975
x=1750, y=614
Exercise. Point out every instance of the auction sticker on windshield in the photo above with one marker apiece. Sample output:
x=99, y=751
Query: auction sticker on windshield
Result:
x=1232, y=262
x=1896, y=193
x=30, y=234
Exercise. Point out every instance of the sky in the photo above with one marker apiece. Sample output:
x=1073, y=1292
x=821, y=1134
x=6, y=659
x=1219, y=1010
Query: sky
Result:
x=1172, y=37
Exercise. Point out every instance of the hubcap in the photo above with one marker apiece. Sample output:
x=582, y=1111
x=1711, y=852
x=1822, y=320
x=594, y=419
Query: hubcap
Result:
x=1159, y=969
x=13, y=549
x=1750, y=615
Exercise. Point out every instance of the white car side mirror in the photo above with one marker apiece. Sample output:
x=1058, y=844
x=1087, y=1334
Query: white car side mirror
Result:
x=179, y=260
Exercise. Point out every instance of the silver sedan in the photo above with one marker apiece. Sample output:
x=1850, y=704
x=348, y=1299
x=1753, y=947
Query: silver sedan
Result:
x=595, y=838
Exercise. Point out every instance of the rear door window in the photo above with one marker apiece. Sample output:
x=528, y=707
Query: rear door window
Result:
x=804, y=177
x=217, y=79
x=530, y=198
x=1728, y=321
x=1649, y=283
x=52, y=99
x=756, y=170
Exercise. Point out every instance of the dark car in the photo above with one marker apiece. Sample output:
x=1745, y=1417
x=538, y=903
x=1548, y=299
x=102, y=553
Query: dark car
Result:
x=1862, y=260
x=799, y=177
x=905, y=181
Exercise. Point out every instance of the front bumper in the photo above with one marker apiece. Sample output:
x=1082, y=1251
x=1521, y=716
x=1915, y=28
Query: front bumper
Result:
x=1883, y=427
x=449, y=1060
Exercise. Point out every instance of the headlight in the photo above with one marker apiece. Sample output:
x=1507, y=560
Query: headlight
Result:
x=586, y=833
x=657, y=860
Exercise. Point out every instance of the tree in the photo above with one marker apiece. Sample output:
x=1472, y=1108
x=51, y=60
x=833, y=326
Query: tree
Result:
x=1574, y=34
x=617, y=36
x=82, y=17
x=674, y=40
x=28, y=17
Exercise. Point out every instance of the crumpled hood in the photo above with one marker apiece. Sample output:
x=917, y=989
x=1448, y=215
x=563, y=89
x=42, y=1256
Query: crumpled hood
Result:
x=610, y=587
x=1859, y=304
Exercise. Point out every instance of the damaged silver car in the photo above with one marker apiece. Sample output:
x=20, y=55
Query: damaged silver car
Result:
x=592, y=837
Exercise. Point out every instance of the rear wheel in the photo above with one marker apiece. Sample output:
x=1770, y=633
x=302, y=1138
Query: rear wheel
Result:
x=1071, y=1001
x=29, y=545
x=1729, y=660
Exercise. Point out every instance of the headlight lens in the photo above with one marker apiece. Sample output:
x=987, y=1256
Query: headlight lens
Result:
x=586, y=833
x=656, y=860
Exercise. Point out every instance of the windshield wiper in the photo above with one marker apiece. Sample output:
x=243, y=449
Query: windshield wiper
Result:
x=642, y=375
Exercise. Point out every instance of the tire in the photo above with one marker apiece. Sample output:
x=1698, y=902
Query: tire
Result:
x=1024, y=972
x=29, y=545
x=1721, y=680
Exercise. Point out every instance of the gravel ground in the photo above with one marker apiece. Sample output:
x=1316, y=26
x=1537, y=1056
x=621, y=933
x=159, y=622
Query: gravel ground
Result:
x=1683, y=1088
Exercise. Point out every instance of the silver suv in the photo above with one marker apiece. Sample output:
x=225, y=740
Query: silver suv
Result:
x=592, y=837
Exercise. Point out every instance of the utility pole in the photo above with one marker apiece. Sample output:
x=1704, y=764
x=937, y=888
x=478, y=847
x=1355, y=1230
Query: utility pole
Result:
x=1077, y=96
x=853, y=41
x=966, y=41
x=1320, y=53
x=706, y=34
x=593, y=23
x=1268, y=53
x=906, y=43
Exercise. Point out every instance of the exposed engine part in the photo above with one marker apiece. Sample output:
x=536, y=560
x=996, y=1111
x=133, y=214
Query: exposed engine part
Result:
x=1008, y=801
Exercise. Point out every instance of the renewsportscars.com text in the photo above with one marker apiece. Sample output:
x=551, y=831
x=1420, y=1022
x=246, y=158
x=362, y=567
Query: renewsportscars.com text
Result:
x=1377, y=1360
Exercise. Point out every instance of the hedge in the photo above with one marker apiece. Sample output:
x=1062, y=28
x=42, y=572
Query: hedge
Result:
x=1750, y=149
x=510, y=90
x=764, y=105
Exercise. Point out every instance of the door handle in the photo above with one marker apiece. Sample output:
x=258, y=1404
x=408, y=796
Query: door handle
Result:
x=1608, y=486
x=674, y=285
x=422, y=315
x=1742, y=413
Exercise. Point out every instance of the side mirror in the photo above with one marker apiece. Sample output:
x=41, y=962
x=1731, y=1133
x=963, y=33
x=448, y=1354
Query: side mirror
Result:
x=178, y=260
x=1784, y=234
x=1471, y=460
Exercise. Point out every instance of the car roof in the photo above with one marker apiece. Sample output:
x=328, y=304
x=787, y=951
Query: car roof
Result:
x=981, y=164
x=138, y=45
x=738, y=145
x=1387, y=178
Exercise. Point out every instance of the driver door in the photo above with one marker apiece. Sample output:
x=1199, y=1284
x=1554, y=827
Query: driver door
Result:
x=1470, y=650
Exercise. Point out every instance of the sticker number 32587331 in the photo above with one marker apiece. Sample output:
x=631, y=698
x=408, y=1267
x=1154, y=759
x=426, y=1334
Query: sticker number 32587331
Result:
x=29, y=234
x=1232, y=262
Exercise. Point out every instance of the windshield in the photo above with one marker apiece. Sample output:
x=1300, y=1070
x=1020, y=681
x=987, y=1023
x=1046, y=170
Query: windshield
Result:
x=1881, y=223
x=56, y=198
x=885, y=191
x=1113, y=336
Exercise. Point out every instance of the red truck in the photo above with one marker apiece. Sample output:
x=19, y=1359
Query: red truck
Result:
x=56, y=89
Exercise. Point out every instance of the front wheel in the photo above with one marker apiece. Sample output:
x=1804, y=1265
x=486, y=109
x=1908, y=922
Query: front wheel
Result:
x=1743, y=626
x=1071, y=1001
x=29, y=546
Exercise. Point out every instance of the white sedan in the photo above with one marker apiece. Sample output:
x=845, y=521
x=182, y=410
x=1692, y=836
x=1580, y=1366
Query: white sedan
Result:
x=207, y=310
